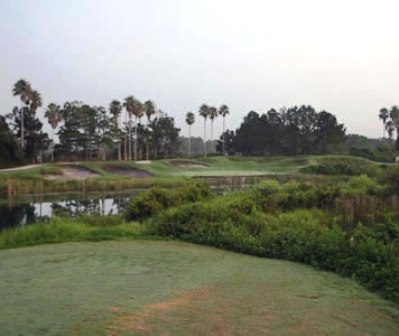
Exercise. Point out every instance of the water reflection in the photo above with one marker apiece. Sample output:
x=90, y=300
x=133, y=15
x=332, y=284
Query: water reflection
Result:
x=31, y=213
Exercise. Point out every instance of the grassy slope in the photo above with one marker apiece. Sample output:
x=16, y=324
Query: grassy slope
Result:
x=217, y=166
x=141, y=288
x=165, y=173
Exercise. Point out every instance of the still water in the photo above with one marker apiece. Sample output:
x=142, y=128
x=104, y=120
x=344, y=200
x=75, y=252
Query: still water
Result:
x=24, y=212
x=38, y=208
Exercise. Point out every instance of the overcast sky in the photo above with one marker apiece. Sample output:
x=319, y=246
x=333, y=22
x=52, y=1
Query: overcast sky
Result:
x=338, y=55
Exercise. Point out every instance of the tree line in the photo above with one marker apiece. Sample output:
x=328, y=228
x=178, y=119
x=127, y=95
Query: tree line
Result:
x=88, y=132
x=289, y=131
x=131, y=130
x=126, y=130
x=207, y=112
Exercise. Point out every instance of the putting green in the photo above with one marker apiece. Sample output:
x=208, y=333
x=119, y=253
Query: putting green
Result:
x=170, y=288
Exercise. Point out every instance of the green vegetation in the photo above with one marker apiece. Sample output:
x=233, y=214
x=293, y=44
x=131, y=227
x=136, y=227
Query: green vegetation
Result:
x=8, y=146
x=390, y=120
x=59, y=229
x=296, y=130
x=351, y=229
x=155, y=200
x=382, y=150
x=335, y=165
x=144, y=287
x=214, y=170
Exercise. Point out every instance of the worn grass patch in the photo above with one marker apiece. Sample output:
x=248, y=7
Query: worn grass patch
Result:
x=170, y=288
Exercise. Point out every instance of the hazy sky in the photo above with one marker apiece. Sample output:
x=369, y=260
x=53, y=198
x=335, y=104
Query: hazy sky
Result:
x=337, y=55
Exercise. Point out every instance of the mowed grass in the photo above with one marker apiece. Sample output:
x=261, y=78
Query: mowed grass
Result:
x=243, y=166
x=168, y=173
x=171, y=288
x=213, y=166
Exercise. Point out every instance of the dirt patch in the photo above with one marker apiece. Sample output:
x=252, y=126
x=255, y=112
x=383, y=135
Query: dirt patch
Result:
x=74, y=172
x=188, y=164
x=137, y=322
x=126, y=171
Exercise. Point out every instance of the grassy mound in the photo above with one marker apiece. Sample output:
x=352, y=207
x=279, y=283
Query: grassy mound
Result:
x=158, y=288
x=341, y=165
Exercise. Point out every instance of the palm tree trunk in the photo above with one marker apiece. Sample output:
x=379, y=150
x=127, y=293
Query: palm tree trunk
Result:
x=130, y=139
x=125, y=146
x=205, y=137
x=397, y=139
x=22, y=129
x=383, y=129
x=189, y=141
x=52, y=151
x=135, y=141
x=212, y=149
x=146, y=149
x=119, y=140
x=224, y=137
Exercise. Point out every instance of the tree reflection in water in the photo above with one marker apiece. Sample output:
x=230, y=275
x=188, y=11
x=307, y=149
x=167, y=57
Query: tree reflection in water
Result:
x=31, y=213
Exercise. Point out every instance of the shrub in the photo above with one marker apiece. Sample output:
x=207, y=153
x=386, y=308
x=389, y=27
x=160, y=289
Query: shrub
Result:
x=343, y=166
x=362, y=185
x=250, y=222
x=156, y=199
x=390, y=176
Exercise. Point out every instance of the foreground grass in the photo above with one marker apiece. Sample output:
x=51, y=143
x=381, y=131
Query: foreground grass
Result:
x=170, y=288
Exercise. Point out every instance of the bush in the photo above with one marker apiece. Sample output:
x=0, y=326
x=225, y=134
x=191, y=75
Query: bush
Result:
x=362, y=185
x=298, y=222
x=382, y=153
x=156, y=199
x=390, y=176
x=343, y=166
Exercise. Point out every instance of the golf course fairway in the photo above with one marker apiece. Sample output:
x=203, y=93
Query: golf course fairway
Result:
x=172, y=288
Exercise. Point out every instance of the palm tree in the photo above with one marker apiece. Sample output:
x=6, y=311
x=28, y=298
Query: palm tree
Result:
x=394, y=114
x=23, y=89
x=35, y=100
x=384, y=114
x=125, y=137
x=213, y=113
x=149, y=110
x=53, y=114
x=204, y=112
x=190, y=118
x=138, y=113
x=224, y=111
x=128, y=104
x=116, y=109
x=390, y=128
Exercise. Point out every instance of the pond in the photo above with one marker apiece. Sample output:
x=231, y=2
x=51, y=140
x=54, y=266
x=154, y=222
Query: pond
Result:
x=25, y=211
x=32, y=209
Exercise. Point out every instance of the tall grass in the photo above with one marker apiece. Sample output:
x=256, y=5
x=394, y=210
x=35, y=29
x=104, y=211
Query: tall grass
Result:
x=86, y=228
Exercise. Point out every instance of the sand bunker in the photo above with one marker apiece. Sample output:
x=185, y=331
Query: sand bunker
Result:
x=188, y=164
x=73, y=173
x=126, y=171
